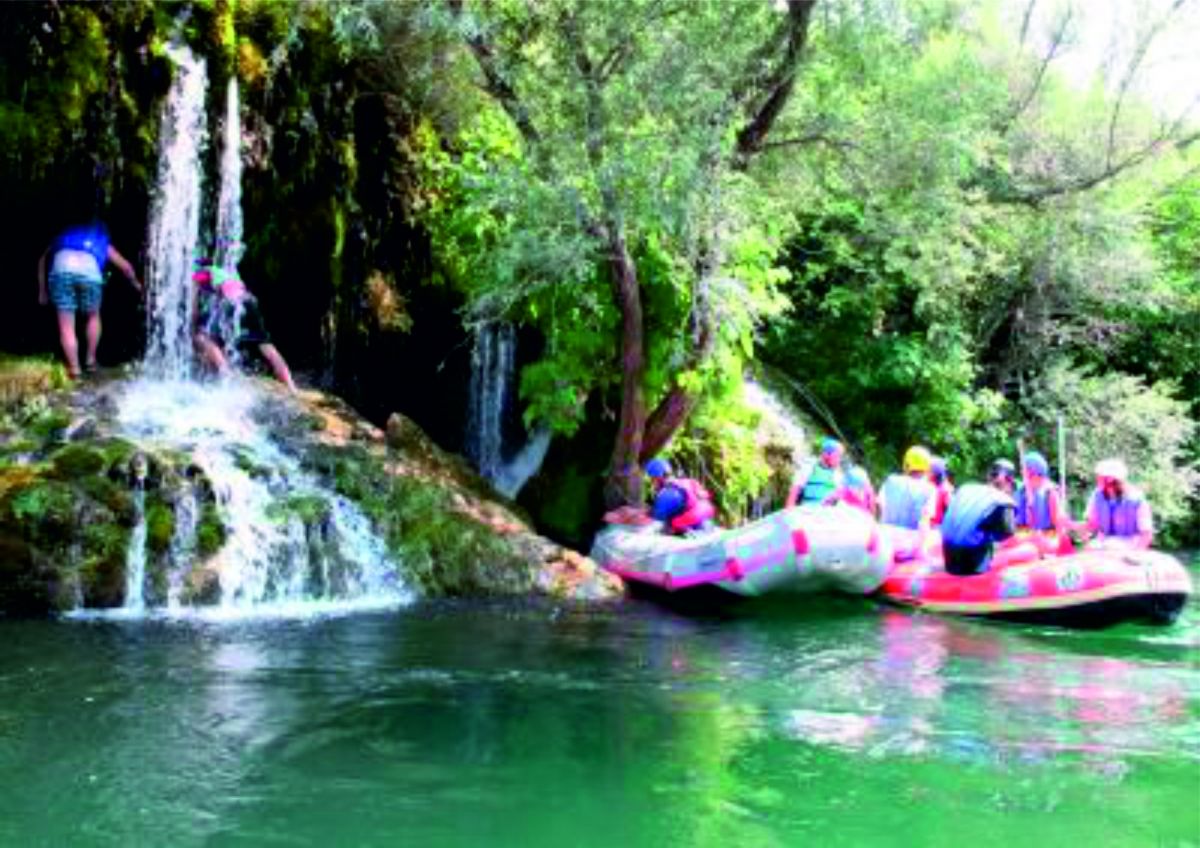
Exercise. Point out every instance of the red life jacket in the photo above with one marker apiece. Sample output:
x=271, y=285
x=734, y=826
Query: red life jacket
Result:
x=699, y=508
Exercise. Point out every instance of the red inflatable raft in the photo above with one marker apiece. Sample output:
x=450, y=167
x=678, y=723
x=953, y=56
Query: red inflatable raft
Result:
x=1088, y=589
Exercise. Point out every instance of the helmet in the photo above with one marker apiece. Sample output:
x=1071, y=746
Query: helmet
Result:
x=1035, y=463
x=658, y=467
x=830, y=446
x=1002, y=468
x=937, y=468
x=1114, y=469
x=917, y=458
x=858, y=479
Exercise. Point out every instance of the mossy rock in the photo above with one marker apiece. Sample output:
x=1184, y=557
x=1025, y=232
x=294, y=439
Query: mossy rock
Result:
x=210, y=531
x=114, y=497
x=46, y=510
x=160, y=526
x=49, y=425
x=310, y=509
x=77, y=460
x=201, y=587
x=102, y=573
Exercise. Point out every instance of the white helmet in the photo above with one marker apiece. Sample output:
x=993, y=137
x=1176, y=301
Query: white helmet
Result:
x=1113, y=468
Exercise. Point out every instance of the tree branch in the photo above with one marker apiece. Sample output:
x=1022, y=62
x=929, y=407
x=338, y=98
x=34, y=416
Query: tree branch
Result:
x=777, y=86
x=496, y=83
x=1056, y=42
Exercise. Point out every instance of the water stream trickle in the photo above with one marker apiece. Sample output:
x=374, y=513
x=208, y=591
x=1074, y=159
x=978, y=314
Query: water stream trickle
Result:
x=492, y=398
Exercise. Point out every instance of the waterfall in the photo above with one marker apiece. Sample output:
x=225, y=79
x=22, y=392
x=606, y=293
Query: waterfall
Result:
x=491, y=405
x=290, y=543
x=175, y=218
x=270, y=556
x=135, y=560
x=229, y=200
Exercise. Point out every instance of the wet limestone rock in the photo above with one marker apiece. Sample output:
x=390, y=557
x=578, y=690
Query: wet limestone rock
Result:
x=453, y=533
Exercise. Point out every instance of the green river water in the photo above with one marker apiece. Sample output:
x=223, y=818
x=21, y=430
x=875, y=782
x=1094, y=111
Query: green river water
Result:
x=832, y=722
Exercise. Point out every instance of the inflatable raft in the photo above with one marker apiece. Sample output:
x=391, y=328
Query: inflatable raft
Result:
x=1087, y=589
x=805, y=549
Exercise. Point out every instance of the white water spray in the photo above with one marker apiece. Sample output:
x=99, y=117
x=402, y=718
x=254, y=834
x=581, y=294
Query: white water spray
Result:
x=270, y=556
x=175, y=219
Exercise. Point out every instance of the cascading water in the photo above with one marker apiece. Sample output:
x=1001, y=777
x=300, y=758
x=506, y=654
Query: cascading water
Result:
x=275, y=556
x=135, y=561
x=175, y=219
x=269, y=556
x=229, y=199
x=493, y=377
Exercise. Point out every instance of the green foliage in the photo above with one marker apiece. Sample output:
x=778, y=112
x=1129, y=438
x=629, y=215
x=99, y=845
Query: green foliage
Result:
x=210, y=531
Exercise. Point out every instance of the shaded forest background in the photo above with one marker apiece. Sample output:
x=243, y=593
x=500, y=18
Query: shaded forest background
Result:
x=902, y=214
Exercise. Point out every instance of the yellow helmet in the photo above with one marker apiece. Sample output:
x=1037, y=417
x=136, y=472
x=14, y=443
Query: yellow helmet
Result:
x=917, y=458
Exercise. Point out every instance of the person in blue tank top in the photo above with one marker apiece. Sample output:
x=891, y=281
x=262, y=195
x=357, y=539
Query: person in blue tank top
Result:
x=1118, y=514
x=978, y=517
x=907, y=502
x=818, y=481
x=75, y=284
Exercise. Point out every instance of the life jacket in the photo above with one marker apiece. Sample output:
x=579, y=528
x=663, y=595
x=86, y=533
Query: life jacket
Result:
x=91, y=239
x=904, y=499
x=698, y=507
x=971, y=505
x=822, y=482
x=1119, y=517
x=945, y=490
x=1034, y=512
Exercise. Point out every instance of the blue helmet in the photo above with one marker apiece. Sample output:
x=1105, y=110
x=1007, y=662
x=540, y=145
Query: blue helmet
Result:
x=830, y=445
x=858, y=479
x=1036, y=463
x=658, y=467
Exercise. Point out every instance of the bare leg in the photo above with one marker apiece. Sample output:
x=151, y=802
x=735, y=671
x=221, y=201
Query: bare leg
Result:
x=211, y=353
x=282, y=373
x=93, y=338
x=66, y=338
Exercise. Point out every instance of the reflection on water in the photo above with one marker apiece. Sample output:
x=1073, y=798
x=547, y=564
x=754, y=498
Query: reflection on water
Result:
x=532, y=725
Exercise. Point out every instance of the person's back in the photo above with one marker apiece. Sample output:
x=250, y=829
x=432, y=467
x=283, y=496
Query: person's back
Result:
x=979, y=515
x=684, y=505
x=905, y=500
x=74, y=284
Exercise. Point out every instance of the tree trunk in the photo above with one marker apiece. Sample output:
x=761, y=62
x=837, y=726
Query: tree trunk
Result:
x=624, y=485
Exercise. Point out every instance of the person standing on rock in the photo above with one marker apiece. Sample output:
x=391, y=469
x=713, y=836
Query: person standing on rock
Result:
x=75, y=283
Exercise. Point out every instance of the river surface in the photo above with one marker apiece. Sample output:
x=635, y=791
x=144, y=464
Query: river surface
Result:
x=834, y=722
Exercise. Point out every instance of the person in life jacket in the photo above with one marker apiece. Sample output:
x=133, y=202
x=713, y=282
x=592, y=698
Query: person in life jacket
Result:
x=907, y=501
x=939, y=475
x=681, y=503
x=227, y=320
x=979, y=516
x=818, y=481
x=857, y=490
x=1118, y=514
x=1039, y=508
x=75, y=284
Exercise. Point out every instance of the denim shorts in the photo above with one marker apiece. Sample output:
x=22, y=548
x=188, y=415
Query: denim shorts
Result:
x=75, y=292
